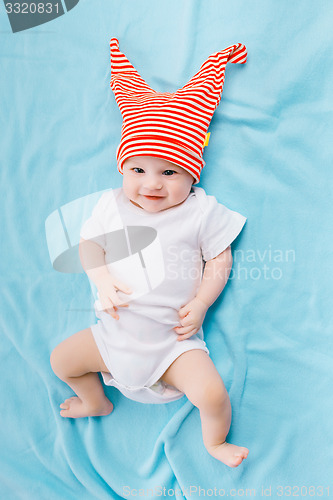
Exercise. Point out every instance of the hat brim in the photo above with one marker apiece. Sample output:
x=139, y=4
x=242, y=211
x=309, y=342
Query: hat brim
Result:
x=161, y=148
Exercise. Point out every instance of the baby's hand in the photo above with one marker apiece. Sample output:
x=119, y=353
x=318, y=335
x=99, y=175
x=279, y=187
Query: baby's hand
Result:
x=107, y=287
x=191, y=318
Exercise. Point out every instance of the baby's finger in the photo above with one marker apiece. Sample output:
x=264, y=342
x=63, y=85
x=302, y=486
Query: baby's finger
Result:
x=187, y=335
x=116, y=300
x=106, y=303
x=187, y=321
x=110, y=309
x=122, y=287
x=183, y=311
x=181, y=330
x=112, y=313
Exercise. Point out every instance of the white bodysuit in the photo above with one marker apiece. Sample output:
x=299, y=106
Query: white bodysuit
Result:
x=160, y=256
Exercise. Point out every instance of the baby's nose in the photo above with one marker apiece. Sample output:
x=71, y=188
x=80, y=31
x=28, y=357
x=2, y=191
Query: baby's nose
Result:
x=153, y=183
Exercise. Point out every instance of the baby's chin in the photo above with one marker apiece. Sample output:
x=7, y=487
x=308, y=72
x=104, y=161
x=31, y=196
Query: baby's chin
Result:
x=154, y=206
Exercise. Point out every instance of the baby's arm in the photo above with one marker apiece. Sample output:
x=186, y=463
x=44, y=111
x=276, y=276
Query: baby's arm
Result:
x=92, y=258
x=214, y=279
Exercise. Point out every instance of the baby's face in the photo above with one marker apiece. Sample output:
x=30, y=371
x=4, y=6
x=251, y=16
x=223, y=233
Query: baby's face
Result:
x=154, y=184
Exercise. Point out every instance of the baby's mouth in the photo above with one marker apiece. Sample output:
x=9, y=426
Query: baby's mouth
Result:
x=152, y=197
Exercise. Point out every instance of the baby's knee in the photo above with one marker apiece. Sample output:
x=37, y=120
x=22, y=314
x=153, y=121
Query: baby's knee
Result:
x=212, y=396
x=58, y=361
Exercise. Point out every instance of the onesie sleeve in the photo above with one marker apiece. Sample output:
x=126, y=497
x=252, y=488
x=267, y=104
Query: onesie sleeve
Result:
x=219, y=228
x=94, y=228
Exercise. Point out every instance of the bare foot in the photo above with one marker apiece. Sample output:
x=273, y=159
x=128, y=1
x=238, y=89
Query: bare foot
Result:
x=229, y=454
x=75, y=408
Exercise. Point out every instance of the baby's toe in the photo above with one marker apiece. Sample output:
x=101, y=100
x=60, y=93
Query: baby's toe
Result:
x=236, y=461
x=245, y=452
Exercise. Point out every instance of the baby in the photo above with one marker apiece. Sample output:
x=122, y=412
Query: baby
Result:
x=149, y=343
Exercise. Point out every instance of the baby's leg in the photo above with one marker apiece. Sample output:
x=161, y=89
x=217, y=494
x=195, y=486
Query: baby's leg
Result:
x=76, y=361
x=194, y=373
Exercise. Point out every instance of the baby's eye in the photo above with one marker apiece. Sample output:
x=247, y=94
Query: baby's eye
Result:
x=138, y=170
x=169, y=172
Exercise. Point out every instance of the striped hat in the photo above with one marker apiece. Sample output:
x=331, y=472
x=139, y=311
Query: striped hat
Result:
x=165, y=125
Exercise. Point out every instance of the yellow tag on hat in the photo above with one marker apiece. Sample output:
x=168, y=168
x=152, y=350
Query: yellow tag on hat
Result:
x=206, y=141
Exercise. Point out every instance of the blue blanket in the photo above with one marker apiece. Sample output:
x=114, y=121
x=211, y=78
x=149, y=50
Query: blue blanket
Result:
x=269, y=333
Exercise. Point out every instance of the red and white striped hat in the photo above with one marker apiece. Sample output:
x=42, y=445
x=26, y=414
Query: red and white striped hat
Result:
x=165, y=125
